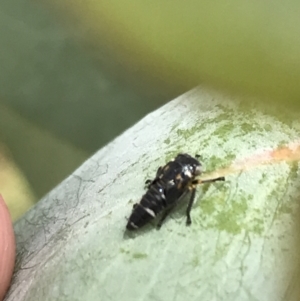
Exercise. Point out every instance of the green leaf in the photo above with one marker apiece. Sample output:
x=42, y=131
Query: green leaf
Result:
x=242, y=244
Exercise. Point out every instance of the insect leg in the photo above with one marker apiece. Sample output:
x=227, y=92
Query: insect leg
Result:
x=165, y=214
x=148, y=183
x=168, y=210
x=189, y=207
x=159, y=170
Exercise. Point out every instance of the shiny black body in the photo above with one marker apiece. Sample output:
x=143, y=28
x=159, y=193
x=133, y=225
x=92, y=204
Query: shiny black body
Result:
x=170, y=184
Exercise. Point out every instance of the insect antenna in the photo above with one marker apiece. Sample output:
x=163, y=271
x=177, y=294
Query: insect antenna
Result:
x=195, y=182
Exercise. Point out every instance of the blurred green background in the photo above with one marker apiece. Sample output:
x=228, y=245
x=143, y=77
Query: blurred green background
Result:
x=58, y=104
x=73, y=75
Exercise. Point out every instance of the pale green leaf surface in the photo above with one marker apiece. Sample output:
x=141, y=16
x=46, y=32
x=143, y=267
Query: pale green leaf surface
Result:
x=240, y=246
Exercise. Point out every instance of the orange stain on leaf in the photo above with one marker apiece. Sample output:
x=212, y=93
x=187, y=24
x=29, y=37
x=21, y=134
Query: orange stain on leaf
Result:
x=289, y=153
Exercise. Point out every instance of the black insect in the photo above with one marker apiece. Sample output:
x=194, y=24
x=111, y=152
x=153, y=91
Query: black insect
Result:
x=172, y=182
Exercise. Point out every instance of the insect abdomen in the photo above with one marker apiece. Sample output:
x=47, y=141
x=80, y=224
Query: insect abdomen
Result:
x=151, y=204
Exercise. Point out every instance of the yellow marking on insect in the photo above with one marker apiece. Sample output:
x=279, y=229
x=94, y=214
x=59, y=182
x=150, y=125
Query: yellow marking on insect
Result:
x=178, y=177
x=166, y=167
